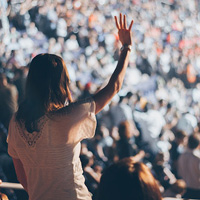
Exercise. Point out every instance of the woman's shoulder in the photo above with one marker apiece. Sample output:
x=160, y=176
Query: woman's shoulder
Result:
x=82, y=102
x=76, y=107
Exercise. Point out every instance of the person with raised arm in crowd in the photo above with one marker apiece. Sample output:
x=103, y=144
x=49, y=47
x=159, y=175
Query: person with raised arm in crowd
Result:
x=45, y=133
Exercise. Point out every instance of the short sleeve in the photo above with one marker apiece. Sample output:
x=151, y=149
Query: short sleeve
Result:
x=87, y=119
x=11, y=139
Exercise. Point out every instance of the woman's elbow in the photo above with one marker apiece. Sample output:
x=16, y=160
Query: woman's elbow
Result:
x=117, y=86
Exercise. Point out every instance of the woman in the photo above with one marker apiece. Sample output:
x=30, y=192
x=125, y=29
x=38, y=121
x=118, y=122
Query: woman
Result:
x=128, y=180
x=45, y=134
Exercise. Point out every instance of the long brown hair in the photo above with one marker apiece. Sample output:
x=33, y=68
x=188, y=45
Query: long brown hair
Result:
x=47, y=89
x=128, y=180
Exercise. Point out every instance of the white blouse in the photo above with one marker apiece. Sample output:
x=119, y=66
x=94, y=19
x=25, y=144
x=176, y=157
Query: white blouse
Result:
x=51, y=156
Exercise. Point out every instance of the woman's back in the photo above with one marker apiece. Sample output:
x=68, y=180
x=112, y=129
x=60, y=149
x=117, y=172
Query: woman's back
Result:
x=53, y=152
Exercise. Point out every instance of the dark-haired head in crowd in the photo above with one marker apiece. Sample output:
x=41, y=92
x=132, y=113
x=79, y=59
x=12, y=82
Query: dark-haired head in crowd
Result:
x=128, y=180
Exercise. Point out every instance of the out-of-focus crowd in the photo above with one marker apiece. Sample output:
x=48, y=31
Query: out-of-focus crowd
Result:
x=157, y=111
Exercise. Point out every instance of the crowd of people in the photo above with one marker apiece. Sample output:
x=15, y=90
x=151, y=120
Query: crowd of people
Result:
x=154, y=118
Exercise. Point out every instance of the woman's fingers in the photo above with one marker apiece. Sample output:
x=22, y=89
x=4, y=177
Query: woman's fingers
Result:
x=125, y=26
x=120, y=20
x=117, y=23
x=130, y=25
x=122, y=24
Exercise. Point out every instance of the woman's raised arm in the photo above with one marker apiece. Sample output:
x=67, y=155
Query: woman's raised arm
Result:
x=104, y=96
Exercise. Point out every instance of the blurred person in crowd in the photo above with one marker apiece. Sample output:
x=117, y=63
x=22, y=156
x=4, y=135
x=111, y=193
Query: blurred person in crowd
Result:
x=187, y=122
x=12, y=62
x=92, y=178
x=49, y=124
x=86, y=91
x=161, y=169
x=8, y=100
x=121, y=111
x=128, y=180
x=176, y=190
x=20, y=82
x=177, y=148
x=143, y=64
x=151, y=123
x=132, y=99
x=126, y=145
x=170, y=117
x=105, y=143
x=188, y=167
x=101, y=145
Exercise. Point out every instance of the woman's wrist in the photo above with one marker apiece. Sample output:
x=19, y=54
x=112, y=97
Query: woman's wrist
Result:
x=126, y=47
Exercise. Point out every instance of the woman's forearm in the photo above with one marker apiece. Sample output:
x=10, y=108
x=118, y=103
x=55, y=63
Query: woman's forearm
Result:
x=115, y=82
x=118, y=75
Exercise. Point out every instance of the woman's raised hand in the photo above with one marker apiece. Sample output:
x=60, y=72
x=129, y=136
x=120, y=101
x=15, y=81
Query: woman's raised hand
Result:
x=123, y=31
x=104, y=96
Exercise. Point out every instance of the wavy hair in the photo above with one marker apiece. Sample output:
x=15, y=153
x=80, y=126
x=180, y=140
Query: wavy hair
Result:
x=47, y=89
